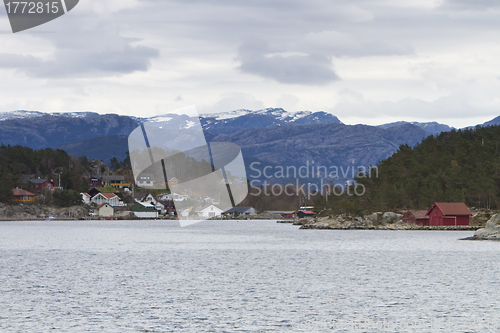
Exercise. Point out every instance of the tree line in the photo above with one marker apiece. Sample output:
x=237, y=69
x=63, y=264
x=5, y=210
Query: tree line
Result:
x=455, y=166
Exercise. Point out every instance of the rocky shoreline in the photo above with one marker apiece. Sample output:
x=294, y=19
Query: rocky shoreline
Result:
x=28, y=212
x=491, y=230
x=375, y=221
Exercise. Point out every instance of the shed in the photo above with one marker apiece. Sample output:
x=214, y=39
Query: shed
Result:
x=449, y=213
x=305, y=213
x=286, y=214
x=105, y=210
x=416, y=217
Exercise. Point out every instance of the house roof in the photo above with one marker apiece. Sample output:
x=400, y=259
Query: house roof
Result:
x=205, y=207
x=108, y=195
x=239, y=210
x=451, y=208
x=86, y=194
x=137, y=207
x=36, y=180
x=110, y=178
x=103, y=204
x=419, y=214
x=20, y=191
x=139, y=195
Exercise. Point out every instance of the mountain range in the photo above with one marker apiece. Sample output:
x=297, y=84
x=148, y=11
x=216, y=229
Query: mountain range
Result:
x=271, y=136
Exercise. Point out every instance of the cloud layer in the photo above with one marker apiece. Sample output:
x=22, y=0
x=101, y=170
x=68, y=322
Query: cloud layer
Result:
x=153, y=56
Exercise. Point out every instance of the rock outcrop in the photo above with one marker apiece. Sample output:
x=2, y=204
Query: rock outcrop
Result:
x=379, y=221
x=35, y=211
x=491, y=231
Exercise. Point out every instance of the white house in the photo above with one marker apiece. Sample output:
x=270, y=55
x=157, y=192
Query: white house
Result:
x=209, y=212
x=179, y=197
x=144, y=210
x=85, y=198
x=165, y=197
x=145, y=180
x=109, y=198
x=145, y=198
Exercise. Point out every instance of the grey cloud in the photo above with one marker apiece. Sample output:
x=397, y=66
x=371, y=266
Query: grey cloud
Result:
x=14, y=61
x=470, y=4
x=69, y=64
x=343, y=44
x=308, y=69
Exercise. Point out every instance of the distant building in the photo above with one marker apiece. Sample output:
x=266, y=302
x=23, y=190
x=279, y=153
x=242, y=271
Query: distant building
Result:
x=109, y=198
x=242, y=211
x=105, y=210
x=142, y=210
x=416, y=217
x=286, y=214
x=41, y=183
x=172, y=182
x=113, y=181
x=144, y=180
x=210, y=211
x=21, y=195
x=449, y=213
x=305, y=213
x=86, y=198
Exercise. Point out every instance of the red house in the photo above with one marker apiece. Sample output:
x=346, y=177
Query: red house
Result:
x=416, y=216
x=449, y=213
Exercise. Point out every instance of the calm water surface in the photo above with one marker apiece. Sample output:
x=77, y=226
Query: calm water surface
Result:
x=252, y=276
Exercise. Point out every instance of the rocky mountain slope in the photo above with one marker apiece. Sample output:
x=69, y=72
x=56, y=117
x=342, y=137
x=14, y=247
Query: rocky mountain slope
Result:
x=272, y=136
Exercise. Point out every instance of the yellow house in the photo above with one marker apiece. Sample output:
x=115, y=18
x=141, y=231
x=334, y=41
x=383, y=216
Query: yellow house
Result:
x=173, y=182
x=21, y=195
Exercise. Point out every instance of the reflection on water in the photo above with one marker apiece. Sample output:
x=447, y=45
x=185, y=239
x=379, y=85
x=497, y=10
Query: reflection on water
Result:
x=251, y=276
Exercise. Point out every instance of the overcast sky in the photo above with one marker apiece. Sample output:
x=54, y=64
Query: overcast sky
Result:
x=368, y=62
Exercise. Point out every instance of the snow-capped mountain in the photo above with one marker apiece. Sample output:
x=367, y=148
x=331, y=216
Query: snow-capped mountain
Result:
x=23, y=114
x=234, y=121
x=238, y=120
x=430, y=127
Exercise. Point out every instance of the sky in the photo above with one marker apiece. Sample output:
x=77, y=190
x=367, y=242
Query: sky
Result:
x=369, y=62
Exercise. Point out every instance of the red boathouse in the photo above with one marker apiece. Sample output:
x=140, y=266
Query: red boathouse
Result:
x=449, y=213
x=418, y=217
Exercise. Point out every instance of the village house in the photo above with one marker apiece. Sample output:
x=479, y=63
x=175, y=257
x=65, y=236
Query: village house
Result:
x=109, y=198
x=286, y=214
x=145, y=180
x=418, y=217
x=144, y=210
x=305, y=213
x=113, y=181
x=241, y=211
x=105, y=210
x=210, y=211
x=448, y=213
x=21, y=195
x=41, y=184
x=179, y=197
x=86, y=198
x=164, y=197
x=172, y=182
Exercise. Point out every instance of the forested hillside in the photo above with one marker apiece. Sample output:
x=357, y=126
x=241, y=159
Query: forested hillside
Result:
x=19, y=161
x=455, y=166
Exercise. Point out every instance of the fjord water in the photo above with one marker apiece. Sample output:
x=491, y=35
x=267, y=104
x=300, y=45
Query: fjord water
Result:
x=249, y=276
